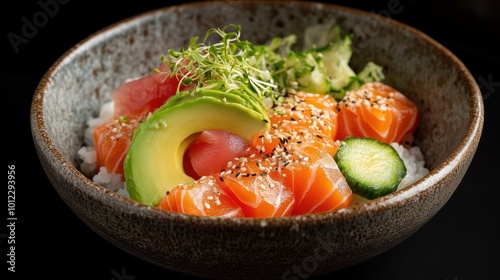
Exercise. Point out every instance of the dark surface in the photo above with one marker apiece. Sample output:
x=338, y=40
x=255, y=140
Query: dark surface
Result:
x=460, y=242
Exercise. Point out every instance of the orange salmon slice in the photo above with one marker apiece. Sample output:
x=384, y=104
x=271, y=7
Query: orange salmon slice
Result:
x=250, y=184
x=303, y=118
x=376, y=110
x=112, y=139
x=316, y=181
x=202, y=198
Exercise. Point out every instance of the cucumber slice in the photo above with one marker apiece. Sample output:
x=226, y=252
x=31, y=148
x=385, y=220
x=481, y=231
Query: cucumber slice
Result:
x=372, y=168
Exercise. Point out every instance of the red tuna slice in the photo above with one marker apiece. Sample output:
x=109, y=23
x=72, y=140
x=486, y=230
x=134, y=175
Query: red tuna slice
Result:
x=212, y=150
x=150, y=91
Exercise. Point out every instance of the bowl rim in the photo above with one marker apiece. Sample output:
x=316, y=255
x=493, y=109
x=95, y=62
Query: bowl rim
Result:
x=426, y=183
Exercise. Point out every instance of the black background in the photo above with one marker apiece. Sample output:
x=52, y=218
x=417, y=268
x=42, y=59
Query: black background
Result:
x=460, y=242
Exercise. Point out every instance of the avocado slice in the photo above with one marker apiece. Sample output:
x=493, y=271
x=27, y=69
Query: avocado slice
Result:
x=245, y=98
x=154, y=161
x=193, y=94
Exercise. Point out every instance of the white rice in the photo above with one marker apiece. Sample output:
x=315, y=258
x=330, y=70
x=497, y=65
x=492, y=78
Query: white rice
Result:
x=88, y=166
x=414, y=162
x=111, y=181
x=412, y=157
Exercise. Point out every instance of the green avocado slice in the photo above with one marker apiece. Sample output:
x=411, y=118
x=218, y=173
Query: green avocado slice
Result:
x=185, y=96
x=154, y=161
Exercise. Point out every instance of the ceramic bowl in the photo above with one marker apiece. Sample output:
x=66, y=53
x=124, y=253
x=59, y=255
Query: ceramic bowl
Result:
x=78, y=83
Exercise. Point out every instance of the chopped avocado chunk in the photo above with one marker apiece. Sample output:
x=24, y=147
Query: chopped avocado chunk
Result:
x=154, y=162
x=324, y=64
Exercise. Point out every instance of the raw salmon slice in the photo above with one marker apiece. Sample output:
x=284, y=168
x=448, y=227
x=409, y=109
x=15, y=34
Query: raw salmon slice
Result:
x=301, y=147
x=249, y=182
x=316, y=181
x=112, y=139
x=202, y=198
x=376, y=110
x=303, y=118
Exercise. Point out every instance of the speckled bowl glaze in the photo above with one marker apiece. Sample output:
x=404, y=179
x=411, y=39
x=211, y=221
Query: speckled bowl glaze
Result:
x=82, y=79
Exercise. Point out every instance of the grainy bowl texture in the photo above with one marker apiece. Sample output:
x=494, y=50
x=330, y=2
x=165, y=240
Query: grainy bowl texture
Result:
x=75, y=87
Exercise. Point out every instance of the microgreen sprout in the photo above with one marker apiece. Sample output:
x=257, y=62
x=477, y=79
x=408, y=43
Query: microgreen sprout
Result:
x=227, y=65
x=266, y=72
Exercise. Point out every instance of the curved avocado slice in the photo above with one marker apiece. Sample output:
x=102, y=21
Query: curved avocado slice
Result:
x=245, y=98
x=154, y=161
x=184, y=96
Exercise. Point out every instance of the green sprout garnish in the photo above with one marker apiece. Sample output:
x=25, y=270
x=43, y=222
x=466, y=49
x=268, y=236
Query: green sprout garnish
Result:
x=267, y=72
x=227, y=65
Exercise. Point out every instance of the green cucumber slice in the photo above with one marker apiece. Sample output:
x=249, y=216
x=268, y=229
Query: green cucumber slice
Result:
x=372, y=168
